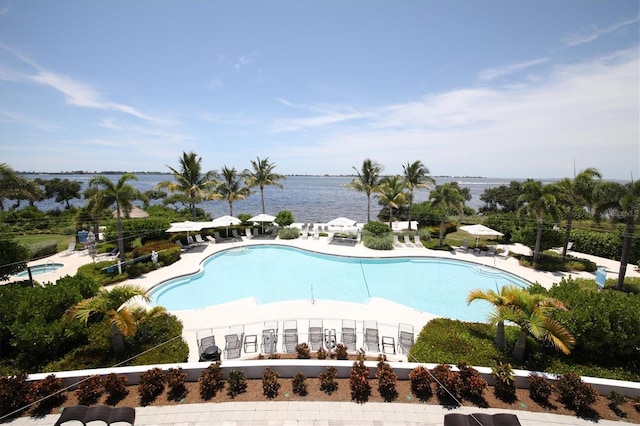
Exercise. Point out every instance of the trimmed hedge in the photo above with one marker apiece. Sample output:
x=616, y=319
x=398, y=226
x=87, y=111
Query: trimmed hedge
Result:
x=604, y=244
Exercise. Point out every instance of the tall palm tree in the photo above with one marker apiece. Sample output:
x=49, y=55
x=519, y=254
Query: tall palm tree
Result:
x=446, y=198
x=231, y=187
x=107, y=194
x=623, y=201
x=497, y=299
x=532, y=313
x=538, y=200
x=575, y=193
x=263, y=175
x=416, y=175
x=111, y=304
x=190, y=180
x=391, y=193
x=367, y=181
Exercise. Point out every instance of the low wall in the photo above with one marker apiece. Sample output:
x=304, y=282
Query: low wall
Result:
x=287, y=368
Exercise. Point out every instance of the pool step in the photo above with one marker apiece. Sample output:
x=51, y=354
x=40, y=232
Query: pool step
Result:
x=488, y=272
x=240, y=251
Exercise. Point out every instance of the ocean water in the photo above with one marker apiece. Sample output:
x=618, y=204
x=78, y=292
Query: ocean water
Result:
x=309, y=198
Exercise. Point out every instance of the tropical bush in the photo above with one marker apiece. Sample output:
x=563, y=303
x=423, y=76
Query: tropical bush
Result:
x=175, y=378
x=270, y=385
x=377, y=242
x=211, y=381
x=359, y=382
x=540, y=389
x=284, y=218
x=90, y=390
x=575, y=393
x=328, y=383
x=387, y=380
x=472, y=384
x=151, y=385
x=603, y=244
x=505, y=386
x=15, y=393
x=236, y=383
x=421, y=383
x=376, y=228
x=299, y=384
x=288, y=233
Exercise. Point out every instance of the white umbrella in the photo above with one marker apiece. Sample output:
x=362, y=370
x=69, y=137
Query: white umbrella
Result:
x=262, y=218
x=225, y=221
x=188, y=226
x=342, y=221
x=480, y=230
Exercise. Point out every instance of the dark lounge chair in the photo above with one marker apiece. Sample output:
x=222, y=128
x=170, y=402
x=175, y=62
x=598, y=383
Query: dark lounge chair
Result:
x=484, y=419
x=108, y=415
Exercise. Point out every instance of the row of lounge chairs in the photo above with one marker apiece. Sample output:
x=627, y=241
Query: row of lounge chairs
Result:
x=492, y=251
x=318, y=337
x=417, y=243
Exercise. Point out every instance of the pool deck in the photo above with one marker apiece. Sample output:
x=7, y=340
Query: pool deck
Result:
x=246, y=312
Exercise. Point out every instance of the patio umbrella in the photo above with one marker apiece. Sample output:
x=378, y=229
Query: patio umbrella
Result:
x=262, y=219
x=225, y=221
x=188, y=226
x=480, y=230
x=342, y=221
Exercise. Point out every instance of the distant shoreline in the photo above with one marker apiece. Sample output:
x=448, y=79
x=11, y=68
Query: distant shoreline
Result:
x=113, y=172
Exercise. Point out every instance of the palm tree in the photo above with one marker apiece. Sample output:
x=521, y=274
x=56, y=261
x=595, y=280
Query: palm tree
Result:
x=190, y=180
x=447, y=198
x=538, y=200
x=367, y=181
x=575, y=193
x=111, y=304
x=532, y=313
x=263, y=175
x=121, y=194
x=230, y=187
x=416, y=175
x=497, y=300
x=623, y=201
x=391, y=193
x=16, y=187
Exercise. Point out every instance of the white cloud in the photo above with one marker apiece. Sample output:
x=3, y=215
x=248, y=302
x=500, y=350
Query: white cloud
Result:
x=493, y=73
x=76, y=93
x=586, y=112
x=577, y=39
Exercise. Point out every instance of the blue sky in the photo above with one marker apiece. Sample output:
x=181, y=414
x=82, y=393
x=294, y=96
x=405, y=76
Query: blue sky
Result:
x=483, y=88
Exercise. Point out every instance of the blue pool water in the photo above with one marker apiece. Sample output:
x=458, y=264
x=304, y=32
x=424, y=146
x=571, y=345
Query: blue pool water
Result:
x=40, y=269
x=275, y=273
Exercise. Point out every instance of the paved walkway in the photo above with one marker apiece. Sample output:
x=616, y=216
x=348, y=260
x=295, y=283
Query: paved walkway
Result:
x=247, y=312
x=315, y=414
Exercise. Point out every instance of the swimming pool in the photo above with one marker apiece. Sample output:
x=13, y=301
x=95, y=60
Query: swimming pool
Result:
x=40, y=269
x=271, y=273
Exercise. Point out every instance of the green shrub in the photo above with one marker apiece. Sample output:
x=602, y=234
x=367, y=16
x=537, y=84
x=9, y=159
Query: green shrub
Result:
x=377, y=242
x=236, y=383
x=299, y=384
x=505, y=387
x=211, y=381
x=288, y=233
x=284, y=218
x=270, y=385
x=376, y=228
x=421, y=383
x=90, y=390
x=151, y=385
x=43, y=249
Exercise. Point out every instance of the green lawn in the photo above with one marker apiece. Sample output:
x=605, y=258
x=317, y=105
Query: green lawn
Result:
x=62, y=240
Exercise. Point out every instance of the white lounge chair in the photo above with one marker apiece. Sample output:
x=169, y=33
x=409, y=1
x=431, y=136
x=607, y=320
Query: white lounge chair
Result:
x=405, y=337
x=417, y=242
x=315, y=334
x=396, y=242
x=247, y=233
x=270, y=337
x=199, y=239
x=70, y=248
x=233, y=342
x=289, y=336
x=464, y=246
x=407, y=241
x=371, y=336
x=349, y=334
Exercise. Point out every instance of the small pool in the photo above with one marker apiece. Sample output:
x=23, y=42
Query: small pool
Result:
x=276, y=273
x=40, y=269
